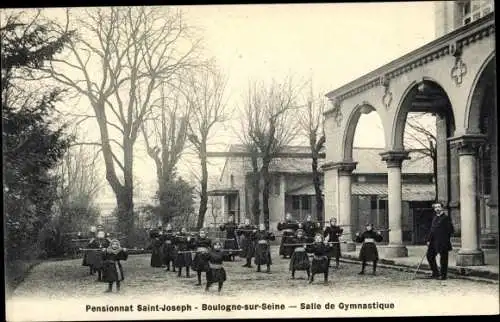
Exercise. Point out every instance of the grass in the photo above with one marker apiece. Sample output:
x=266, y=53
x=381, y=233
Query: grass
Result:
x=15, y=273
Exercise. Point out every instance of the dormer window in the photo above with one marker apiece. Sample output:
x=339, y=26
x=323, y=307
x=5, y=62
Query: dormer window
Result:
x=475, y=9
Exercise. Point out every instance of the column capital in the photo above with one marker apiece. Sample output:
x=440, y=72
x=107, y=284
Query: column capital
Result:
x=394, y=159
x=344, y=168
x=468, y=144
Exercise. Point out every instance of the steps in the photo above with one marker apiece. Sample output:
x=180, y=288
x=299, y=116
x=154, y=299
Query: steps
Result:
x=488, y=241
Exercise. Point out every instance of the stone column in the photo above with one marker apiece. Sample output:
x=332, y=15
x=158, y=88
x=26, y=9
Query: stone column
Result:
x=223, y=207
x=344, y=170
x=470, y=253
x=394, y=160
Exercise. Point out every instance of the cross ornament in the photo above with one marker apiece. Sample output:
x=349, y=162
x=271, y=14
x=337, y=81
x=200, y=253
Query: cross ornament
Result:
x=458, y=71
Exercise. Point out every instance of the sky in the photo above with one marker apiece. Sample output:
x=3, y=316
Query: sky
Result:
x=331, y=44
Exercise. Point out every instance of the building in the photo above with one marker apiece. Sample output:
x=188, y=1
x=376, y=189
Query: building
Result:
x=453, y=77
x=293, y=191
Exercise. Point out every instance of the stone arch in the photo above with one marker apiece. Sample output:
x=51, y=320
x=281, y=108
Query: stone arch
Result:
x=485, y=74
x=351, y=125
x=405, y=106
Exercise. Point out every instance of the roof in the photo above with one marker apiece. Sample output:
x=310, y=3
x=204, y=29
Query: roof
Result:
x=369, y=161
x=411, y=192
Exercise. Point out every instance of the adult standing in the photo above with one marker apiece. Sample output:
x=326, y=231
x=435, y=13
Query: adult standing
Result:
x=438, y=241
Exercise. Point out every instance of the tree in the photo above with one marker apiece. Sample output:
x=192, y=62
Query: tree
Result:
x=272, y=126
x=78, y=189
x=166, y=138
x=33, y=141
x=175, y=201
x=421, y=138
x=118, y=61
x=312, y=125
x=205, y=94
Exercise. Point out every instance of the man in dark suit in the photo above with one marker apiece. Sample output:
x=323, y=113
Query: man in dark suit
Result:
x=438, y=241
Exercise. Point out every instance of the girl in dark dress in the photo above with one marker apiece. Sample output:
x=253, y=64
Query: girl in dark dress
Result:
x=184, y=244
x=94, y=257
x=201, y=258
x=320, y=259
x=263, y=248
x=112, y=269
x=288, y=228
x=231, y=241
x=85, y=261
x=169, y=252
x=156, y=247
x=216, y=272
x=246, y=232
x=368, y=251
x=300, y=260
x=332, y=234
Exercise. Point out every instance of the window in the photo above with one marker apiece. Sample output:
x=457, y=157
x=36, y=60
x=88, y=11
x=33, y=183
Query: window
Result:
x=295, y=202
x=232, y=181
x=475, y=9
x=306, y=203
x=277, y=185
x=373, y=203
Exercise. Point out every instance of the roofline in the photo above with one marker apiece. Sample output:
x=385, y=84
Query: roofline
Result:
x=433, y=50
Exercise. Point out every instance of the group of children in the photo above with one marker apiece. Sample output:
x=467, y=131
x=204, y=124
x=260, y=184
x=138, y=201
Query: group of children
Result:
x=103, y=257
x=209, y=256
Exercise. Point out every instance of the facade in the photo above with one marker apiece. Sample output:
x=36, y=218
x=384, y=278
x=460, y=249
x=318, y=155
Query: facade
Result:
x=293, y=191
x=453, y=77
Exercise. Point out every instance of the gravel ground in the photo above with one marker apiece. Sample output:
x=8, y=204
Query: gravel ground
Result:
x=68, y=279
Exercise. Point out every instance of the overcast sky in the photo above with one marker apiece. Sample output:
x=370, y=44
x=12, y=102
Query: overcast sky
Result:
x=330, y=43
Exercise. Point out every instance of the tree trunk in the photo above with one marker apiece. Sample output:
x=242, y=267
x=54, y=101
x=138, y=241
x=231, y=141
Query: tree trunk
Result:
x=125, y=215
x=255, y=190
x=317, y=190
x=204, y=184
x=266, y=191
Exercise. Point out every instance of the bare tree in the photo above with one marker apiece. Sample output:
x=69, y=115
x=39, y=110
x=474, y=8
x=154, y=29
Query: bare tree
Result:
x=206, y=97
x=120, y=58
x=272, y=126
x=421, y=138
x=311, y=122
x=165, y=135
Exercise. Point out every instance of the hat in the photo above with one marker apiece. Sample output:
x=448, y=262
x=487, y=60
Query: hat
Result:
x=299, y=231
x=100, y=227
x=217, y=242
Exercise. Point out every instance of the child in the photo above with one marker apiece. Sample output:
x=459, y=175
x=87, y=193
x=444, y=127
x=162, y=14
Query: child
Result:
x=94, y=257
x=332, y=234
x=300, y=260
x=112, y=269
x=246, y=233
x=200, y=262
x=169, y=248
x=368, y=252
x=183, y=243
x=156, y=245
x=262, y=248
x=320, y=259
x=216, y=272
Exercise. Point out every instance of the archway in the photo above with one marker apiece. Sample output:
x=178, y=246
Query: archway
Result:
x=424, y=121
x=481, y=117
x=359, y=110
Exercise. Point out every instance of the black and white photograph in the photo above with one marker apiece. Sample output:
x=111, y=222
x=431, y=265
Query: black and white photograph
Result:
x=250, y=161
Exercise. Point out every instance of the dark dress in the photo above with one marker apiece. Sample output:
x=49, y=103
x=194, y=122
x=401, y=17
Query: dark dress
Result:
x=368, y=251
x=246, y=233
x=310, y=228
x=94, y=257
x=262, y=247
x=320, y=259
x=85, y=261
x=112, y=269
x=200, y=261
x=156, y=247
x=231, y=241
x=300, y=259
x=183, y=242
x=288, y=228
x=169, y=252
x=216, y=272
x=333, y=233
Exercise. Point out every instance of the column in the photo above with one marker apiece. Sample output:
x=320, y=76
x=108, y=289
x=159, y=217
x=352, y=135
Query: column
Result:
x=394, y=160
x=470, y=253
x=344, y=170
x=223, y=208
